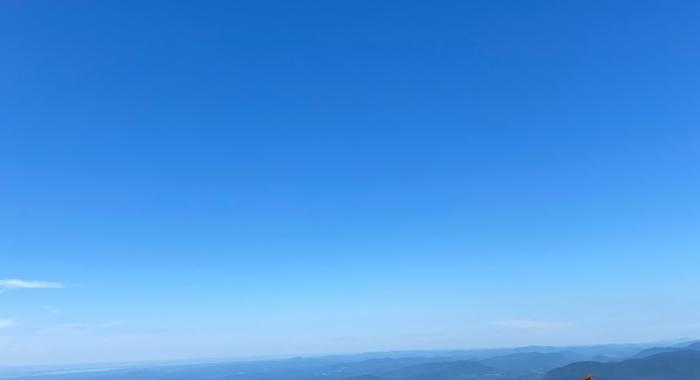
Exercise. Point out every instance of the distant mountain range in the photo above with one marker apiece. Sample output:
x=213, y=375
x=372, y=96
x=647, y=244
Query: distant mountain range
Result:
x=677, y=365
x=532, y=361
x=462, y=369
x=605, y=362
x=661, y=350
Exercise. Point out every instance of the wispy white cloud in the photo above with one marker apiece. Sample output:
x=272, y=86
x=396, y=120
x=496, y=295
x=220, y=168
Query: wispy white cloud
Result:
x=90, y=326
x=82, y=327
x=5, y=323
x=24, y=284
x=531, y=325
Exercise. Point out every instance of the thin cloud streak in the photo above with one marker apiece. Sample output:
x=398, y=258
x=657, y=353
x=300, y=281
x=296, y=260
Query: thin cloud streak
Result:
x=24, y=284
x=531, y=325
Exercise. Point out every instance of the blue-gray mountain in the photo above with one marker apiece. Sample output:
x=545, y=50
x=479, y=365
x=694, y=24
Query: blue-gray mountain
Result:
x=677, y=365
x=661, y=350
x=607, y=362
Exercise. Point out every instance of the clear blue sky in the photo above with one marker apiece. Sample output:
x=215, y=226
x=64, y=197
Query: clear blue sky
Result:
x=191, y=179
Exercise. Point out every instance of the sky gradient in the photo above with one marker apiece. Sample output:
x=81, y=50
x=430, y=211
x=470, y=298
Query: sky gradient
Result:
x=185, y=179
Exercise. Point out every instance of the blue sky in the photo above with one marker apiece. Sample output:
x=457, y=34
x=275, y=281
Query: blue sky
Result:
x=229, y=179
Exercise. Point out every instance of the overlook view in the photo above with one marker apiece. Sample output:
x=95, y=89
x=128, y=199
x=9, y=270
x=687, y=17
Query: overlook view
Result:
x=349, y=190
